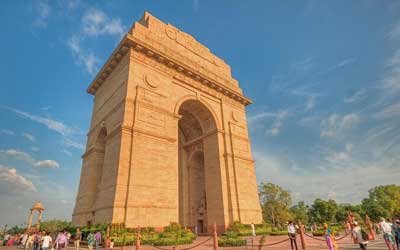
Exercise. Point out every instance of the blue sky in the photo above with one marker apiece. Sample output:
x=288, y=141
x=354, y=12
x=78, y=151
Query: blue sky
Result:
x=324, y=78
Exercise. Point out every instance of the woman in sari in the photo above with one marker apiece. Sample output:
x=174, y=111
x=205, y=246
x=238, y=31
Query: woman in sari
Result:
x=329, y=237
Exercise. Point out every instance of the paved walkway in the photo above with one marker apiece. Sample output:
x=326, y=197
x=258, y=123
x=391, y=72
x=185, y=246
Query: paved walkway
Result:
x=312, y=244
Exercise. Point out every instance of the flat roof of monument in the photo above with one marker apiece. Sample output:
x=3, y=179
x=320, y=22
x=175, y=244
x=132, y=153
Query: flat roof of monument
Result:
x=176, y=49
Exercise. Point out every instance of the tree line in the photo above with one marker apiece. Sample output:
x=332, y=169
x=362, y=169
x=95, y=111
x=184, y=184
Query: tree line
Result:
x=277, y=207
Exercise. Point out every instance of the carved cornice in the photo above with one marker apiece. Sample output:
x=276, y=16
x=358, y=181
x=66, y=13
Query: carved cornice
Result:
x=156, y=51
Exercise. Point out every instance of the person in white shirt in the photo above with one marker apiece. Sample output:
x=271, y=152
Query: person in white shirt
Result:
x=387, y=234
x=291, y=228
x=253, y=229
x=357, y=234
x=46, y=241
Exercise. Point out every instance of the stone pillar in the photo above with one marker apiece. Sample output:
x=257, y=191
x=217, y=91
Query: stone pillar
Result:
x=301, y=230
x=39, y=220
x=138, y=238
x=371, y=235
x=215, y=237
x=29, y=220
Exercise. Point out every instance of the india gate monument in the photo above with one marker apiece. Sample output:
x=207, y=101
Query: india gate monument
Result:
x=168, y=140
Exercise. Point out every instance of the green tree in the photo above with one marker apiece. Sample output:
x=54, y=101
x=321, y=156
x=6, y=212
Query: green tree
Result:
x=382, y=201
x=275, y=203
x=300, y=212
x=323, y=211
x=344, y=209
x=56, y=225
x=16, y=230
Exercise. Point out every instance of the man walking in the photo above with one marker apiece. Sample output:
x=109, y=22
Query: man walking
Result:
x=292, y=235
x=253, y=229
x=387, y=234
x=357, y=234
x=77, y=239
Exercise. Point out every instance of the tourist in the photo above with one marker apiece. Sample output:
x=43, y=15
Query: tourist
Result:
x=314, y=227
x=395, y=232
x=6, y=238
x=387, y=234
x=112, y=244
x=77, y=239
x=46, y=241
x=10, y=241
x=90, y=241
x=291, y=228
x=68, y=236
x=16, y=240
x=329, y=237
x=97, y=239
x=196, y=231
x=253, y=229
x=61, y=241
x=24, y=239
x=36, y=241
x=29, y=241
x=358, y=235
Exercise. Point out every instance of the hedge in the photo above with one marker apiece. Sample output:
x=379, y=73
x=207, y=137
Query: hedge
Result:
x=231, y=242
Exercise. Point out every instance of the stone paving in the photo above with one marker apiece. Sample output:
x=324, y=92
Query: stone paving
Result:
x=312, y=244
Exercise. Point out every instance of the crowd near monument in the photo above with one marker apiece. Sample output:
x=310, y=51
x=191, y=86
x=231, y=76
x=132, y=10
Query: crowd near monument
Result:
x=168, y=140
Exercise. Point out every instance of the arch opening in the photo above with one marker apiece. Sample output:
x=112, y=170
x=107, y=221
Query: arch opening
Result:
x=194, y=127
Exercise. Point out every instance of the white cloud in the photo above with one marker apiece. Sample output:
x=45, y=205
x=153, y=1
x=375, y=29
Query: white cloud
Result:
x=23, y=156
x=310, y=97
x=73, y=144
x=340, y=159
x=88, y=59
x=35, y=149
x=11, y=182
x=391, y=78
x=390, y=111
x=73, y=4
x=356, y=97
x=51, y=124
x=19, y=155
x=7, y=132
x=57, y=126
x=66, y=152
x=45, y=108
x=337, y=66
x=309, y=120
x=46, y=164
x=260, y=116
x=276, y=118
x=95, y=22
x=43, y=11
x=276, y=127
x=28, y=136
x=335, y=124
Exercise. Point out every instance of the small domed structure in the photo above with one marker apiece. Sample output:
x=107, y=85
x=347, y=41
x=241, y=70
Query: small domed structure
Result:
x=38, y=206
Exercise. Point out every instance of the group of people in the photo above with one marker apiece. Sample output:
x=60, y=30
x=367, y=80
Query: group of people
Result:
x=45, y=241
x=328, y=235
x=390, y=229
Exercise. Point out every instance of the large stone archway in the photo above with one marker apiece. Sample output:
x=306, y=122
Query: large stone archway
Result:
x=168, y=139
